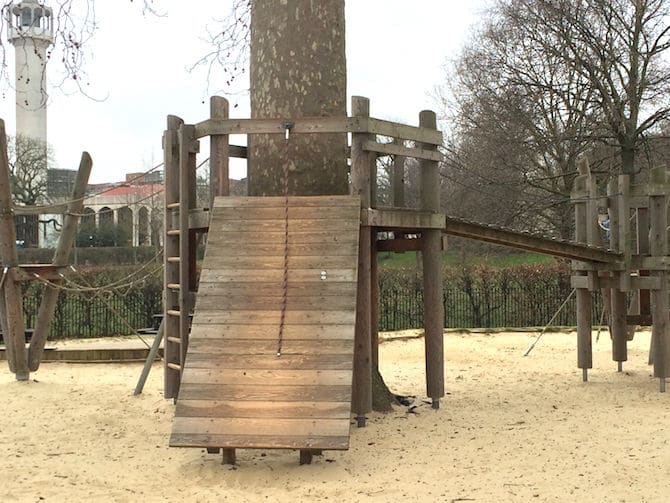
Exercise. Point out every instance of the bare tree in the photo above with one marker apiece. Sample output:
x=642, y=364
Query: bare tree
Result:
x=28, y=164
x=618, y=47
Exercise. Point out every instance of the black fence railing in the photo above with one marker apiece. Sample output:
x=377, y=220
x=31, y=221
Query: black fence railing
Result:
x=402, y=308
x=500, y=304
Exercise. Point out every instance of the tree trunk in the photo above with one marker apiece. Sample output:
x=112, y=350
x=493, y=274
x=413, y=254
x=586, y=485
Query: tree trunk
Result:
x=298, y=69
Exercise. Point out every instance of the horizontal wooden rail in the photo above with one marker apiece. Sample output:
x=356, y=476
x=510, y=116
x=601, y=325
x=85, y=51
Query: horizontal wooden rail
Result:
x=311, y=125
x=395, y=218
x=530, y=242
x=393, y=149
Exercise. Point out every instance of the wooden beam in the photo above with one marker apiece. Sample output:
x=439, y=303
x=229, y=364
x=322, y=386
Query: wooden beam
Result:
x=395, y=130
x=394, y=218
x=530, y=242
x=219, y=152
x=399, y=245
x=61, y=258
x=394, y=149
x=272, y=126
x=637, y=282
x=12, y=303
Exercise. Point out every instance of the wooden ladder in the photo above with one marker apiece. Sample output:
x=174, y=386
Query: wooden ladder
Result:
x=180, y=148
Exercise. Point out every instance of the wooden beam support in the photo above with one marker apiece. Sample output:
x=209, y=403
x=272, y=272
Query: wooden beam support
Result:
x=395, y=149
x=396, y=218
x=361, y=161
x=61, y=258
x=431, y=254
x=11, y=306
x=219, y=152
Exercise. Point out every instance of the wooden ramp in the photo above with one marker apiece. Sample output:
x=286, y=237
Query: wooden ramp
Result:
x=235, y=391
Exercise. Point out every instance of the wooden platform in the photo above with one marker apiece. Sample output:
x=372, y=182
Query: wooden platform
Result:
x=235, y=391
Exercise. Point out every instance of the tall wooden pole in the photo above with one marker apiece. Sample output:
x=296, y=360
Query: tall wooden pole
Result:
x=360, y=185
x=583, y=296
x=658, y=213
x=61, y=258
x=398, y=178
x=14, y=336
x=431, y=253
x=219, y=177
x=618, y=307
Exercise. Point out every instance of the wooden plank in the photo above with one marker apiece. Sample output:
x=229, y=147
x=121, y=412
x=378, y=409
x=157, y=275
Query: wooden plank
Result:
x=216, y=347
x=263, y=226
x=277, y=262
x=262, y=303
x=271, y=362
x=261, y=317
x=274, y=237
x=271, y=275
x=259, y=442
x=395, y=130
x=306, y=125
x=294, y=288
x=248, y=331
x=393, y=218
x=229, y=245
x=399, y=245
x=267, y=377
x=394, y=149
x=309, y=213
x=258, y=409
x=231, y=392
x=294, y=201
x=260, y=426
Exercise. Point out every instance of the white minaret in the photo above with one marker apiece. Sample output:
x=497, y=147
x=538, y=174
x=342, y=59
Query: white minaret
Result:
x=30, y=26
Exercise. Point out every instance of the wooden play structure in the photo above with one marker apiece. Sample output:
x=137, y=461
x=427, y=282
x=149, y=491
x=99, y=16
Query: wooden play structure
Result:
x=24, y=360
x=283, y=337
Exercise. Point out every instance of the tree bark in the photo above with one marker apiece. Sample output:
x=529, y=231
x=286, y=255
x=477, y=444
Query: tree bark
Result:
x=298, y=69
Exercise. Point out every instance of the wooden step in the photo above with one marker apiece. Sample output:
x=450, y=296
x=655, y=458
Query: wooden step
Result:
x=172, y=206
x=174, y=340
x=174, y=286
x=173, y=312
x=174, y=260
x=174, y=232
x=174, y=366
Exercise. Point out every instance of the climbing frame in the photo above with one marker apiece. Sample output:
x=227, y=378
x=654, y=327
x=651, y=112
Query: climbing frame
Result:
x=246, y=382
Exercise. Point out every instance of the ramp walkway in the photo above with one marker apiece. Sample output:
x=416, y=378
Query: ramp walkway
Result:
x=236, y=391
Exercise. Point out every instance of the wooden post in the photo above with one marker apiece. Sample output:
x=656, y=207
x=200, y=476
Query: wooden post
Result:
x=61, y=258
x=14, y=335
x=360, y=185
x=431, y=253
x=187, y=163
x=374, y=301
x=398, y=178
x=583, y=296
x=151, y=357
x=219, y=148
x=171, y=354
x=618, y=308
x=659, y=248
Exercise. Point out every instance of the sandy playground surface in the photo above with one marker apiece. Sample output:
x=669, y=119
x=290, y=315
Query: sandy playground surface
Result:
x=511, y=429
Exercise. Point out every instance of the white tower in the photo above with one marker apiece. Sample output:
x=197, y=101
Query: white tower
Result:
x=30, y=26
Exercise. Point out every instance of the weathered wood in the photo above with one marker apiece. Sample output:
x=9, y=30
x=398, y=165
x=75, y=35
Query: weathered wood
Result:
x=259, y=442
x=151, y=357
x=431, y=254
x=306, y=456
x=645, y=282
x=361, y=162
x=236, y=372
x=658, y=245
x=619, y=326
x=61, y=258
x=219, y=151
x=525, y=241
x=301, y=125
x=294, y=226
x=399, y=245
x=392, y=218
x=320, y=202
x=229, y=456
x=398, y=179
x=396, y=149
x=583, y=233
x=171, y=240
x=12, y=307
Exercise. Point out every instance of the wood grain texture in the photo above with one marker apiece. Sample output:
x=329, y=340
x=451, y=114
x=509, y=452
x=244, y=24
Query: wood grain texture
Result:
x=236, y=392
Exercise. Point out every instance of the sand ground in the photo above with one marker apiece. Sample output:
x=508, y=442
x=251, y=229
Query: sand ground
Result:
x=510, y=429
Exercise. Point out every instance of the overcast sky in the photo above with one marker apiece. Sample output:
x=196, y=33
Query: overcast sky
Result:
x=137, y=71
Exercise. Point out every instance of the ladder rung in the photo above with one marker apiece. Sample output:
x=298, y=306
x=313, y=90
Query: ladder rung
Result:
x=172, y=206
x=174, y=232
x=174, y=340
x=173, y=312
x=174, y=366
x=174, y=286
x=174, y=259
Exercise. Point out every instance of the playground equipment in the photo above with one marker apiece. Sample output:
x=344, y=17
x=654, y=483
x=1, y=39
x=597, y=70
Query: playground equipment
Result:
x=239, y=324
x=21, y=361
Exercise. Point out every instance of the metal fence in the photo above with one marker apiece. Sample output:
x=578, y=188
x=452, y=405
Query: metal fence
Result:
x=400, y=307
